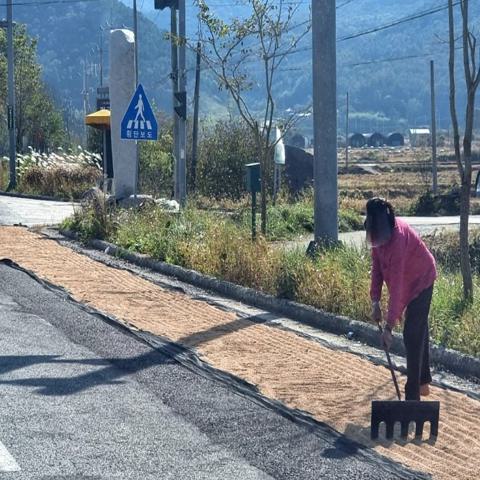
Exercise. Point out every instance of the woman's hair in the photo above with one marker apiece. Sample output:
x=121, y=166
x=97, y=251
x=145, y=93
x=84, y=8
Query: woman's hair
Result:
x=380, y=221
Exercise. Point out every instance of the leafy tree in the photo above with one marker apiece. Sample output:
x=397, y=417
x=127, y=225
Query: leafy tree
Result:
x=248, y=53
x=36, y=119
x=224, y=150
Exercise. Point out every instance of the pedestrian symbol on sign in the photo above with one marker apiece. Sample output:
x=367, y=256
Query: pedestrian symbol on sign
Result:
x=139, y=122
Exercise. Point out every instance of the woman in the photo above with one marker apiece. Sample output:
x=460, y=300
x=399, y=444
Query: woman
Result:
x=403, y=262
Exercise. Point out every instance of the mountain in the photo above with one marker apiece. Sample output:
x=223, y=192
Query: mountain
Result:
x=387, y=90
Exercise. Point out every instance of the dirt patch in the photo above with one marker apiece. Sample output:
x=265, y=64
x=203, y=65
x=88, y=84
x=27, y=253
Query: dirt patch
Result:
x=336, y=387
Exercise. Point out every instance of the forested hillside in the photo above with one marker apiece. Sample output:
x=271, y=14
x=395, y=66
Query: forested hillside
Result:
x=387, y=90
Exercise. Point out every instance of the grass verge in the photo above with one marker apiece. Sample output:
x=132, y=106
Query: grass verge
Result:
x=337, y=280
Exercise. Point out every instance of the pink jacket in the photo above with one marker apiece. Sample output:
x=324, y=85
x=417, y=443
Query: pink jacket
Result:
x=407, y=267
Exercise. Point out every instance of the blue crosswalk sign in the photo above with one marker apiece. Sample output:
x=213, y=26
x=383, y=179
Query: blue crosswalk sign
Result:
x=139, y=121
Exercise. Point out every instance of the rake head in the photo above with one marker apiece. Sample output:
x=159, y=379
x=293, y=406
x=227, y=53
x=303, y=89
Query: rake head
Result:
x=405, y=412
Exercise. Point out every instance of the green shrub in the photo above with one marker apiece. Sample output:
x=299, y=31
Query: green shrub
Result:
x=441, y=204
x=156, y=165
x=94, y=219
x=223, y=152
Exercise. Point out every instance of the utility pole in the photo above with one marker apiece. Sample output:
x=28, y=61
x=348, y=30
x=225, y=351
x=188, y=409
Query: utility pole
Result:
x=196, y=102
x=85, y=96
x=434, y=130
x=346, y=134
x=325, y=121
x=178, y=45
x=174, y=76
x=182, y=109
x=100, y=51
x=11, y=98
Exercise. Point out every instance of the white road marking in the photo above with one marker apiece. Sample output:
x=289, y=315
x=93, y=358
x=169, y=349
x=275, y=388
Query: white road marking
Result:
x=7, y=462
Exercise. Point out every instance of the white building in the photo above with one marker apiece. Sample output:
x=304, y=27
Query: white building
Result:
x=419, y=137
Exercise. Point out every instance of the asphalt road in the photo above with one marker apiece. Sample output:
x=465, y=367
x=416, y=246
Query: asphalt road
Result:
x=84, y=399
x=30, y=212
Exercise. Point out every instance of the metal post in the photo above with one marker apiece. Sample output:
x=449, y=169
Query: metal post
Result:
x=182, y=127
x=325, y=121
x=136, y=61
x=174, y=76
x=135, y=33
x=101, y=58
x=346, y=134
x=434, y=130
x=196, y=105
x=11, y=98
x=254, y=215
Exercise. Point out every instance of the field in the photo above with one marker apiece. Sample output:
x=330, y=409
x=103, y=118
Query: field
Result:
x=400, y=175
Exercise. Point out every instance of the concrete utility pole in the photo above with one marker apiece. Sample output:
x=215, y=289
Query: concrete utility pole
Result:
x=325, y=121
x=85, y=97
x=182, y=98
x=434, y=130
x=11, y=98
x=346, y=134
x=196, y=107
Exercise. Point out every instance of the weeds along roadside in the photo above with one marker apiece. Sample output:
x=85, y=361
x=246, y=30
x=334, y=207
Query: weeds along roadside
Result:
x=337, y=280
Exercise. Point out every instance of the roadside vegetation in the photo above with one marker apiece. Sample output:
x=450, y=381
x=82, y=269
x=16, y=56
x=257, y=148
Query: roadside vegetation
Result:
x=337, y=280
x=64, y=175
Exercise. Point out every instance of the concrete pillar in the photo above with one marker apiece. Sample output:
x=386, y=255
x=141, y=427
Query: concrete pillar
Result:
x=325, y=120
x=122, y=87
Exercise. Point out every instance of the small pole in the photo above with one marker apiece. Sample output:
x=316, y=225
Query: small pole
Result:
x=254, y=215
x=346, y=135
x=11, y=98
x=434, y=130
x=135, y=33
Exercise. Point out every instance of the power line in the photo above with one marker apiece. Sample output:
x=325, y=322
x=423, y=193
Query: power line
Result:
x=344, y=4
x=47, y=2
x=406, y=19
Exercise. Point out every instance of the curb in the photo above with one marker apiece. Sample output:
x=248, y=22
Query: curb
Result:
x=35, y=197
x=451, y=360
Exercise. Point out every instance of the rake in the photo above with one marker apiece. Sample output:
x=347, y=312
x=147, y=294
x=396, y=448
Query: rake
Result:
x=403, y=412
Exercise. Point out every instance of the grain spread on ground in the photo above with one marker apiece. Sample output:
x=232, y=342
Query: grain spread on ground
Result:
x=334, y=386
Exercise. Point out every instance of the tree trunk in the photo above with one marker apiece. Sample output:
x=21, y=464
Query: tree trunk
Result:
x=465, y=266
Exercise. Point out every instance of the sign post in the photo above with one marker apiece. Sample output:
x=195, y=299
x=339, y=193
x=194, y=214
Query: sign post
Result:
x=253, y=186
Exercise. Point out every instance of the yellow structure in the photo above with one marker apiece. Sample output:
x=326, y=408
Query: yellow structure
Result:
x=100, y=119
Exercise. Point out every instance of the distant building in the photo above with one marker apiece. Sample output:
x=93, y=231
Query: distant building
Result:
x=356, y=140
x=419, y=137
x=376, y=140
x=395, y=140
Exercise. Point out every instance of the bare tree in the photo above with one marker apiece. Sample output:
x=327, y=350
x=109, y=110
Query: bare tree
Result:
x=464, y=158
x=233, y=52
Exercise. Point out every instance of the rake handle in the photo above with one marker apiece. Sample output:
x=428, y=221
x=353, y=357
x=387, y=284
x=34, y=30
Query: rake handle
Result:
x=394, y=377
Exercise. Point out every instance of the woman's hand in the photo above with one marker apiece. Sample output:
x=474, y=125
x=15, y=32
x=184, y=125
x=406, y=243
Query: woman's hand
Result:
x=387, y=338
x=376, y=312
